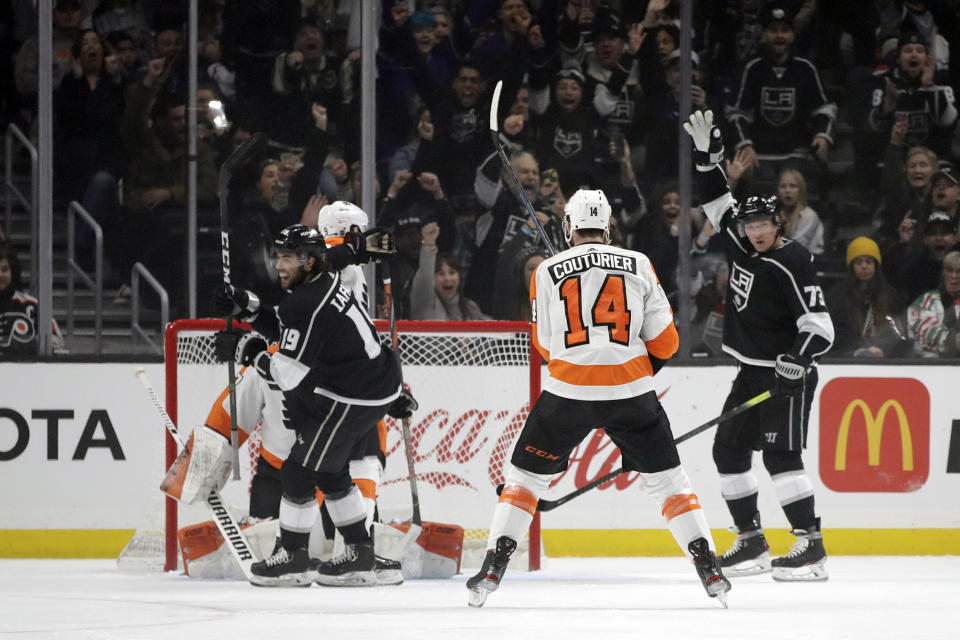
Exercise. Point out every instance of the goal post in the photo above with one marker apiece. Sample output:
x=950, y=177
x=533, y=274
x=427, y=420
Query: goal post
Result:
x=475, y=383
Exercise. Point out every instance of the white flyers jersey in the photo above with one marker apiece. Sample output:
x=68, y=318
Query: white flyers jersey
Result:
x=256, y=402
x=598, y=314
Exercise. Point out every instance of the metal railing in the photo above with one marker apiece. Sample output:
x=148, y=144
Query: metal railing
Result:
x=30, y=203
x=140, y=270
x=73, y=268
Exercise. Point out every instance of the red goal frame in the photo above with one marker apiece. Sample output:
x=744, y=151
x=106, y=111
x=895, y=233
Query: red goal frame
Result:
x=174, y=329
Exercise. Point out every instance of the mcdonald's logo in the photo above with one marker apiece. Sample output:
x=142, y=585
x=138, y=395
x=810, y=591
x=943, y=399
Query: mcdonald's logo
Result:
x=874, y=434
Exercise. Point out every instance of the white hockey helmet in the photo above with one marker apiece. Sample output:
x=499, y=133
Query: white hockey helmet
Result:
x=587, y=209
x=336, y=219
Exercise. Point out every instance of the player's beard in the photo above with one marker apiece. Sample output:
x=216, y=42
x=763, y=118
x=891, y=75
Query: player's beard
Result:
x=294, y=278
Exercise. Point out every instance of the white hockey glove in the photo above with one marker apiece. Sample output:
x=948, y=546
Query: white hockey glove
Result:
x=203, y=466
x=791, y=369
x=707, y=138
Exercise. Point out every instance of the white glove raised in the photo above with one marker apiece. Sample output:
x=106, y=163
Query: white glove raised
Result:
x=707, y=138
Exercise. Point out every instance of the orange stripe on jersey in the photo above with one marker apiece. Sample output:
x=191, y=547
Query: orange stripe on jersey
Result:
x=607, y=375
x=219, y=419
x=368, y=488
x=520, y=497
x=678, y=504
x=665, y=344
x=333, y=241
x=272, y=459
x=382, y=433
x=544, y=353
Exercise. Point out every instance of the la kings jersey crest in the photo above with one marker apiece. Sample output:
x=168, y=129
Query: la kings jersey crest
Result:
x=741, y=282
x=778, y=104
x=567, y=142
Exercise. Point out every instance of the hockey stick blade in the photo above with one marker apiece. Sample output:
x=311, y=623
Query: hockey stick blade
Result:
x=549, y=505
x=229, y=529
x=514, y=184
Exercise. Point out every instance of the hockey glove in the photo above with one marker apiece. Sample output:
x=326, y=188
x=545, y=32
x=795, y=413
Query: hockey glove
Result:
x=361, y=248
x=239, y=303
x=404, y=406
x=791, y=369
x=240, y=346
x=707, y=138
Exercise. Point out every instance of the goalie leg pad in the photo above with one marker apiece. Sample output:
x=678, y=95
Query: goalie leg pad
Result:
x=202, y=466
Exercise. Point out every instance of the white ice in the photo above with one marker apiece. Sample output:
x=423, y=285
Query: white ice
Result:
x=873, y=598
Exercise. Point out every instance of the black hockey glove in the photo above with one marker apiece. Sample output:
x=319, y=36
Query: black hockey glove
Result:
x=707, y=139
x=240, y=346
x=404, y=406
x=239, y=303
x=361, y=248
x=791, y=369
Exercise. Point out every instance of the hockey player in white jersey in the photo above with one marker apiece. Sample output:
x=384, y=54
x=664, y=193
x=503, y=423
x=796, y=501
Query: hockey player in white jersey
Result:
x=603, y=324
x=776, y=325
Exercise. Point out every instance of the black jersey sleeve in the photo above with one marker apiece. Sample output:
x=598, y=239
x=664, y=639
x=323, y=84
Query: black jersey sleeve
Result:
x=267, y=323
x=805, y=297
x=718, y=206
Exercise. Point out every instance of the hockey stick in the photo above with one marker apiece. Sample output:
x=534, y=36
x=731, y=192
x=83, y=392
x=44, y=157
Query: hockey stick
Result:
x=514, y=185
x=549, y=505
x=229, y=529
x=234, y=160
x=416, y=523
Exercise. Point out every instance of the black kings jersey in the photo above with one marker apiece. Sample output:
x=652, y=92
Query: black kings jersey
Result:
x=774, y=302
x=328, y=345
x=780, y=107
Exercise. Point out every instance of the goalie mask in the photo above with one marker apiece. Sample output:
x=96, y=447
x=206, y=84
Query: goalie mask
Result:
x=337, y=218
x=587, y=209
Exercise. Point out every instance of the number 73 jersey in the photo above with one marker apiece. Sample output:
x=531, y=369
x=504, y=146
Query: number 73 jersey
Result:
x=598, y=314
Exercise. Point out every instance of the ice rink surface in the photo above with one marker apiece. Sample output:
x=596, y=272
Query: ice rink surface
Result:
x=873, y=598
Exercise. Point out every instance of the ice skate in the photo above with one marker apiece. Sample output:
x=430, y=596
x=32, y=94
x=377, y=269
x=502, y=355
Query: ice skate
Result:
x=354, y=568
x=388, y=572
x=806, y=560
x=750, y=553
x=709, y=571
x=488, y=578
x=284, y=569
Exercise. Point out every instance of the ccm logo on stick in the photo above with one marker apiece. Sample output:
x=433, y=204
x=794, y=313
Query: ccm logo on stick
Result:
x=874, y=434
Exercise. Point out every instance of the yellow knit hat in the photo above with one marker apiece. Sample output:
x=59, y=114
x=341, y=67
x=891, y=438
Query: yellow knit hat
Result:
x=862, y=246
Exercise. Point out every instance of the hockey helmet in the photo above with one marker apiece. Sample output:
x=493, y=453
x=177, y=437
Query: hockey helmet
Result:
x=337, y=218
x=759, y=208
x=300, y=239
x=587, y=209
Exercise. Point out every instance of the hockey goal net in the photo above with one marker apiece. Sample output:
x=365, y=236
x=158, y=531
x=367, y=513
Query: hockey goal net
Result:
x=475, y=382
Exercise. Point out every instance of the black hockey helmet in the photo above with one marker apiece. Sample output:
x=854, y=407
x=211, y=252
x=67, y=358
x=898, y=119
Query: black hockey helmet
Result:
x=300, y=239
x=758, y=208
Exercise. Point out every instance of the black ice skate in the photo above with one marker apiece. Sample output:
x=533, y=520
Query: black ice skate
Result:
x=750, y=553
x=709, y=571
x=284, y=569
x=806, y=560
x=354, y=568
x=388, y=572
x=488, y=578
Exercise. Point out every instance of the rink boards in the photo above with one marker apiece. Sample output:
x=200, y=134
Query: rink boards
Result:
x=80, y=459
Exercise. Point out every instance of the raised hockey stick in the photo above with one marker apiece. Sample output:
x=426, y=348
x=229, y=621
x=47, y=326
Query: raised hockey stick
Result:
x=234, y=160
x=514, y=185
x=229, y=529
x=549, y=505
x=416, y=523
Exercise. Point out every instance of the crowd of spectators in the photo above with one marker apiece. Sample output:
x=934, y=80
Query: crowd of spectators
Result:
x=824, y=104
